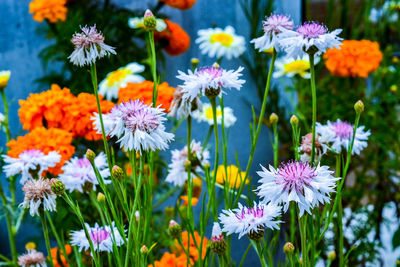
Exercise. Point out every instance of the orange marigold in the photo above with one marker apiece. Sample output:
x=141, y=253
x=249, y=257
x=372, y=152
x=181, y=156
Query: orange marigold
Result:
x=57, y=253
x=144, y=92
x=171, y=260
x=181, y=4
x=355, y=58
x=193, y=252
x=52, y=10
x=176, y=40
x=46, y=140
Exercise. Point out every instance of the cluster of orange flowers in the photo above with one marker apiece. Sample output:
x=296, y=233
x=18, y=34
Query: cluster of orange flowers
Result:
x=178, y=257
x=46, y=140
x=355, y=58
x=57, y=253
x=52, y=10
x=176, y=40
x=59, y=108
x=181, y=4
x=144, y=92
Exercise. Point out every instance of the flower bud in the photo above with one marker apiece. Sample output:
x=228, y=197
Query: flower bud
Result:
x=273, y=118
x=90, y=155
x=359, y=106
x=4, y=77
x=332, y=255
x=175, y=230
x=101, y=197
x=144, y=249
x=117, y=172
x=294, y=121
x=256, y=236
x=207, y=165
x=30, y=246
x=288, y=248
x=149, y=20
x=137, y=215
x=195, y=62
x=218, y=244
x=187, y=164
x=169, y=212
x=57, y=186
x=393, y=88
x=212, y=92
x=215, y=65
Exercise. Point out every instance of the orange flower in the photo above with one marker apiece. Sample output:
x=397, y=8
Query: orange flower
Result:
x=355, y=58
x=181, y=4
x=144, y=92
x=193, y=252
x=176, y=39
x=171, y=260
x=57, y=253
x=46, y=140
x=52, y=10
x=186, y=200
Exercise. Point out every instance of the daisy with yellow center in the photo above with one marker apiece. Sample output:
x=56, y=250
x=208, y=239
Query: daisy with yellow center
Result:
x=206, y=115
x=4, y=77
x=217, y=42
x=109, y=87
x=231, y=176
x=289, y=67
x=138, y=23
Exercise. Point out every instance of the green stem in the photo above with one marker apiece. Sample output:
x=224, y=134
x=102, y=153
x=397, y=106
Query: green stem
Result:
x=275, y=145
x=260, y=254
x=303, y=234
x=340, y=228
x=189, y=208
x=57, y=236
x=46, y=237
x=5, y=122
x=314, y=106
x=244, y=255
x=153, y=66
x=214, y=110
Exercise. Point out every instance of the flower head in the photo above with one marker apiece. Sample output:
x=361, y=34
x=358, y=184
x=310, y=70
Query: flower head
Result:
x=273, y=27
x=137, y=126
x=110, y=86
x=79, y=174
x=177, y=173
x=246, y=220
x=101, y=237
x=306, y=147
x=296, y=181
x=217, y=42
x=28, y=162
x=339, y=135
x=138, y=23
x=231, y=176
x=218, y=244
x=181, y=4
x=388, y=12
x=32, y=258
x=311, y=37
x=209, y=78
x=289, y=67
x=181, y=108
x=173, y=39
x=206, y=115
x=4, y=77
x=89, y=46
x=38, y=193
x=354, y=58
x=51, y=10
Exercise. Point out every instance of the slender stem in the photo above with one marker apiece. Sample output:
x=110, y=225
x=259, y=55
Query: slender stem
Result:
x=5, y=122
x=340, y=228
x=314, y=105
x=189, y=208
x=276, y=145
x=153, y=66
x=260, y=254
x=244, y=255
x=11, y=237
x=93, y=74
x=303, y=234
x=214, y=110
x=57, y=236
x=46, y=237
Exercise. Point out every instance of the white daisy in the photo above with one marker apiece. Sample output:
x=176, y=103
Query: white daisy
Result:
x=38, y=193
x=206, y=115
x=272, y=26
x=339, y=135
x=289, y=67
x=217, y=42
x=29, y=161
x=209, y=78
x=101, y=236
x=136, y=125
x=110, y=86
x=32, y=259
x=79, y=174
x=312, y=37
x=177, y=174
x=249, y=220
x=181, y=108
x=138, y=23
x=89, y=46
x=296, y=181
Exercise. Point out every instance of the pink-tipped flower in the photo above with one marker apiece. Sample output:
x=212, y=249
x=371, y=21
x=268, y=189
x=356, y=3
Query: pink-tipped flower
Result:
x=272, y=26
x=89, y=46
x=306, y=147
x=250, y=220
x=32, y=259
x=311, y=37
x=296, y=181
x=137, y=126
x=218, y=244
x=181, y=108
x=38, y=194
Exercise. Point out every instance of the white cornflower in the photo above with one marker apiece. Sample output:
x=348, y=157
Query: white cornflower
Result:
x=305, y=148
x=309, y=37
x=339, y=135
x=29, y=161
x=217, y=42
x=177, y=174
x=181, y=108
x=296, y=181
x=101, y=236
x=209, y=78
x=32, y=259
x=206, y=115
x=273, y=27
x=289, y=67
x=249, y=220
x=110, y=86
x=138, y=23
x=136, y=125
x=89, y=46
x=38, y=193
x=79, y=174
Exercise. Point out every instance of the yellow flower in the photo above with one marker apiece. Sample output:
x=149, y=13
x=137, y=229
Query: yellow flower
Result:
x=30, y=246
x=234, y=176
x=4, y=77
